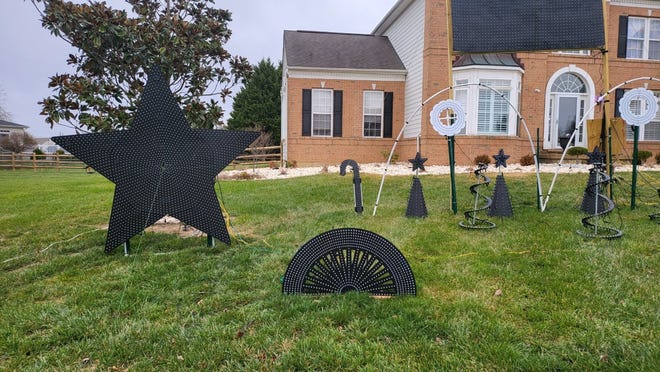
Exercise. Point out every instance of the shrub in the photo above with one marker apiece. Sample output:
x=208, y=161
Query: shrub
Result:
x=577, y=151
x=657, y=158
x=527, y=160
x=483, y=159
x=39, y=153
x=643, y=156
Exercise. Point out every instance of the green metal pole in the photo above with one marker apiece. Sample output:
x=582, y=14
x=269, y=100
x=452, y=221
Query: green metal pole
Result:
x=610, y=159
x=454, y=205
x=633, y=191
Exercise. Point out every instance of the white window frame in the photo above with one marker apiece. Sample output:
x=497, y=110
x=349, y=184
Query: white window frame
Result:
x=365, y=108
x=550, y=103
x=581, y=52
x=472, y=75
x=318, y=109
x=642, y=129
x=494, y=99
x=646, y=39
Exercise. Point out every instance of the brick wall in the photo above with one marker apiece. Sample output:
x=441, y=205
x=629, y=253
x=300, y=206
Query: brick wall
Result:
x=352, y=144
x=539, y=67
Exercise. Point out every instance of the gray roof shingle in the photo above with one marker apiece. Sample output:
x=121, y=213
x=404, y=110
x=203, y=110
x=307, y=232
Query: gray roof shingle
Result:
x=338, y=50
x=9, y=124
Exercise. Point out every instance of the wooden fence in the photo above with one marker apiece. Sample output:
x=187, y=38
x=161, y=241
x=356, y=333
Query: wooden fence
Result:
x=27, y=160
x=31, y=160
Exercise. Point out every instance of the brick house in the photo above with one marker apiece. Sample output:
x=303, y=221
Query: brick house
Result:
x=348, y=96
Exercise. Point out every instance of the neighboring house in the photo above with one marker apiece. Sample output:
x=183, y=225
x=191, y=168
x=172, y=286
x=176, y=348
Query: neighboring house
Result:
x=47, y=145
x=348, y=96
x=7, y=127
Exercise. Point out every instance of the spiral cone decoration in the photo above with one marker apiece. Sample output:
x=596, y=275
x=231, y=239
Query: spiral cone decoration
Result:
x=471, y=220
x=593, y=224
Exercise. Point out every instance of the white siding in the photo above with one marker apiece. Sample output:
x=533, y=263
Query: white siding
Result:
x=406, y=34
x=641, y=3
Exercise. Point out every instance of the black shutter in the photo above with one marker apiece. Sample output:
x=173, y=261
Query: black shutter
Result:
x=622, y=48
x=387, y=114
x=307, y=112
x=337, y=113
x=618, y=94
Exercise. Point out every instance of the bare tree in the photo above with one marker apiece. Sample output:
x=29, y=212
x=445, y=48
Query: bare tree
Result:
x=4, y=114
x=18, y=142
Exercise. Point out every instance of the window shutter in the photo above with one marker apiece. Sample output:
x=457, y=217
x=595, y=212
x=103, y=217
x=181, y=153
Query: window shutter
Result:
x=618, y=94
x=623, y=37
x=337, y=112
x=307, y=112
x=387, y=114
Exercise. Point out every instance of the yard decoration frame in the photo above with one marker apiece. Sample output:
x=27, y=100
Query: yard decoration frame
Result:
x=543, y=199
x=160, y=166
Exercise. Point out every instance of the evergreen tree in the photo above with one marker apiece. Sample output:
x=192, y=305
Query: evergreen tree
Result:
x=257, y=104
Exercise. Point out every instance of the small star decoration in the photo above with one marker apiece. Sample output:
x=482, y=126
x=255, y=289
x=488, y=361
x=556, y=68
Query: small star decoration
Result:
x=596, y=157
x=160, y=166
x=418, y=162
x=500, y=159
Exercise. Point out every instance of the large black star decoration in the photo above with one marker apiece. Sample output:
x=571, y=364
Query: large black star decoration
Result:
x=418, y=162
x=500, y=159
x=160, y=166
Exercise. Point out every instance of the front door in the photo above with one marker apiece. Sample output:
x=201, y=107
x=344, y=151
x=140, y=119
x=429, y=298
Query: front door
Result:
x=567, y=115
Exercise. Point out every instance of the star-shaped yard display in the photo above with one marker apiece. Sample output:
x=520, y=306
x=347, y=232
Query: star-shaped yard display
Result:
x=160, y=166
x=500, y=159
x=418, y=162
x=596, y=156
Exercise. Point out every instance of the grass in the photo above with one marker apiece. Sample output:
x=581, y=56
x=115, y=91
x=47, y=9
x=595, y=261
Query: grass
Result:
x=566, y=303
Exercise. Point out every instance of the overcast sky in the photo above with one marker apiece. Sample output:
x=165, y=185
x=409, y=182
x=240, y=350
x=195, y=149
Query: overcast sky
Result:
x=30, y=55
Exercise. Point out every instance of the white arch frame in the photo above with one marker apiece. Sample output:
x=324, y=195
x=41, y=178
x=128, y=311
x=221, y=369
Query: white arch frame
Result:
x=591, y=96
x=543, y=199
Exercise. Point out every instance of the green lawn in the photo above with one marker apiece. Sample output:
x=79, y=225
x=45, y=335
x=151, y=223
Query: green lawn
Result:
x=566, y=302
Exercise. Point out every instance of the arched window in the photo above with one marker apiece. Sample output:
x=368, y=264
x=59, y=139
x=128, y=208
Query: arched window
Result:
x=567, y=100
x=568, y=83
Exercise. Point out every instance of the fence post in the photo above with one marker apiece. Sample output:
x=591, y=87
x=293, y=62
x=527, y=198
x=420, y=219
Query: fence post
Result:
x=34, y=161
x=13, y=161
x=57, y=161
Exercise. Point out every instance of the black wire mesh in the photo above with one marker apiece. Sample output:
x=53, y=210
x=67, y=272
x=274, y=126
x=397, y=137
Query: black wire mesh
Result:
x=486, y=26
x=416, y=203
x=160, y=166
x=349, y=259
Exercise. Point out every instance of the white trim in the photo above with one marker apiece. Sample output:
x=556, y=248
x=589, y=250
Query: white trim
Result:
x=653, y=4
x=474, y=74
x=345, y=74
x=646, y=40
x=392, y=16
x=331, y=113
x=382, y=111
x=590, y=97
